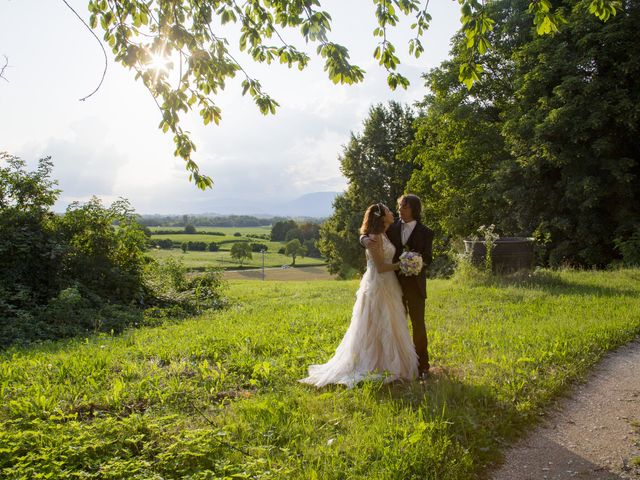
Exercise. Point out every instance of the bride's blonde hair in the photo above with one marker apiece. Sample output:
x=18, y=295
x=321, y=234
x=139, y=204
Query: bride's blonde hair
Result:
x=373, y=221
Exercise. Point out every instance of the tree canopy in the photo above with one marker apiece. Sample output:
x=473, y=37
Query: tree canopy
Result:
x=546, y=143
x=372, y=163
x=241, y=251
x=181, y=51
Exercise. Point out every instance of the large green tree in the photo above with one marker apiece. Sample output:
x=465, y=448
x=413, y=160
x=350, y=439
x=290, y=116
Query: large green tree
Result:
x=375, y=171
x=574, y=129
x=546, y=144
x=181, y=50
x=458, y=146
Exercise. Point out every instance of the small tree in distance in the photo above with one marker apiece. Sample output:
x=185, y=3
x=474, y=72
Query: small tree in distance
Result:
x=241, y=251
x=293, y=249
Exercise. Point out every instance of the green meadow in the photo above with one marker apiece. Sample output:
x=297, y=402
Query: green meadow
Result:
x=222, y=259
x=264, y=230
x=217, y=396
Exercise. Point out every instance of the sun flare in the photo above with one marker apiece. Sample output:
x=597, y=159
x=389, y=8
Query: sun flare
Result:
x=159, y=63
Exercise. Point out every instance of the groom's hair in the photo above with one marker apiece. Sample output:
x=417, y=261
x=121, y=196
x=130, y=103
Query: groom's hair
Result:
x=373, y=221
x=414, y=204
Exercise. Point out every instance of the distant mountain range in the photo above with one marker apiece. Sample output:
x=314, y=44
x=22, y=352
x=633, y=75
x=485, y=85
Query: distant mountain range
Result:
x=317, y=204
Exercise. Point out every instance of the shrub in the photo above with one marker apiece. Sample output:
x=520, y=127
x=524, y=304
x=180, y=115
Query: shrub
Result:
x=197, y=246
x=61, y=275
x=99, y=258
x=261, y=236
x=258, y=247
x=189, y=229
x=30, y=251
x=630, y=248
x=168, y=286
x=213, y=247
x=165, y=244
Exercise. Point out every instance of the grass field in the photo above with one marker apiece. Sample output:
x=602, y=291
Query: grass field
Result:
x=225, y=242
x=229, y=231
x=217, y=396
x=229, y=235
x=222, y=259
x=307, y=274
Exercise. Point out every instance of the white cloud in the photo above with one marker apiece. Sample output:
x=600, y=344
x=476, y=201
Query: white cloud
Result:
x=314, y=166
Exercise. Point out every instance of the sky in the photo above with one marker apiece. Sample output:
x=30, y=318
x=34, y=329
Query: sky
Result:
x=110, y=145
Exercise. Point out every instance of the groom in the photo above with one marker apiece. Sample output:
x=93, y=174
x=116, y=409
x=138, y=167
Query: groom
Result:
x=408, y=233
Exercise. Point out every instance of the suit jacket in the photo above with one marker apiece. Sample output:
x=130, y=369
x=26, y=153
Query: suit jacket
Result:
x=420, y=241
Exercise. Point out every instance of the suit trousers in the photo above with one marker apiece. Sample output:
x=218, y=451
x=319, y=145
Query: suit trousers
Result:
x=414, y=303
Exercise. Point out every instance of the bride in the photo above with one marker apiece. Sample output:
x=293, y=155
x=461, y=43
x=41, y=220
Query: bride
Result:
x=377, y=343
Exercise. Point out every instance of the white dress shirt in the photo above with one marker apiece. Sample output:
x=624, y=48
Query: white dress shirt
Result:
x=407, y=229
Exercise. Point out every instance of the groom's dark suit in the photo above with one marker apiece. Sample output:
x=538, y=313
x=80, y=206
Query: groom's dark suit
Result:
x=414, y=288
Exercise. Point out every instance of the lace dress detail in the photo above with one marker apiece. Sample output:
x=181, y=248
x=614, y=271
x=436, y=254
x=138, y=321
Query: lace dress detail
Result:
x=377, y=343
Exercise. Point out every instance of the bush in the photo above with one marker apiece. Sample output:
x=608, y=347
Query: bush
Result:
x=190, y=229
x=70, y=313
x=630, y=248
x=62, y=275
x=258, y=247
x=237, y=234
x=197, y=246
x=168, y=286
x=165, y=244
x=101, y=259
x=30, y=251
x=213, y=247
x=469, y=274
x=443, y=266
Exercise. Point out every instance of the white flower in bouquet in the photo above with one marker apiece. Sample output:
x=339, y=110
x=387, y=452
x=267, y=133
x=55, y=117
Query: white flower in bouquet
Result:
x=410, y=263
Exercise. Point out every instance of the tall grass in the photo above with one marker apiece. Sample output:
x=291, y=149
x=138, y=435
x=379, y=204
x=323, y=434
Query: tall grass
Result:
x=217, y=397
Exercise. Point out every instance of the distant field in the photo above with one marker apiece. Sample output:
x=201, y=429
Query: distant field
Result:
x=230, y=239
x=222, y=259
x=226, y=230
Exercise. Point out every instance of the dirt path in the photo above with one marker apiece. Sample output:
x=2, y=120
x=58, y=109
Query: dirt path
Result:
x=593, y=435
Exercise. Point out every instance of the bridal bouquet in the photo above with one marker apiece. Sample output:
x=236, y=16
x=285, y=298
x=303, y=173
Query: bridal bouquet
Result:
x=410, y=263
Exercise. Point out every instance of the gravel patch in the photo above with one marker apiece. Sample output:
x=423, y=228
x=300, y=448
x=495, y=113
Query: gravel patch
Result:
x=594, y=434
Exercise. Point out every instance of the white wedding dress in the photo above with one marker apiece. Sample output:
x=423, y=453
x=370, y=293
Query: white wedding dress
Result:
x=377, y=344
